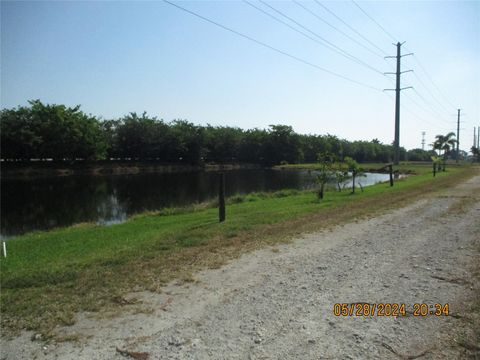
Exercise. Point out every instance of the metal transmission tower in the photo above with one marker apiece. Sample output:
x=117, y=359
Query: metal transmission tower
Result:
x=423, y=140
x=396, y=144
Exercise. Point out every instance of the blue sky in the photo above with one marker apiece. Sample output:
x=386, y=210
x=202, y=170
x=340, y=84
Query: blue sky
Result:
x=115, y=57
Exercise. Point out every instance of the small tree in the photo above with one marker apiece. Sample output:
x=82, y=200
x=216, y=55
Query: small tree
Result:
x=356, y=171
x=341, y=176
x=325, y=171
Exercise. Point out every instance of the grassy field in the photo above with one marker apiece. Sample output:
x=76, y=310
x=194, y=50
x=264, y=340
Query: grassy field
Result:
x=49, y=276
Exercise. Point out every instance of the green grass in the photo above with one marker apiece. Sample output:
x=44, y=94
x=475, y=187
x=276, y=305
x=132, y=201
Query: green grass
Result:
x=404, y=167
x=49, y=276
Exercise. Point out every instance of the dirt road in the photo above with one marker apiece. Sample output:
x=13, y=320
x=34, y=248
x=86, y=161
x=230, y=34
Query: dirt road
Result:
x=277, y=303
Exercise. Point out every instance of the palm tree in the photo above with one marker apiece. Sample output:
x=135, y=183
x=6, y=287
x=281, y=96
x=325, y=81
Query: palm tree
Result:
x=445, y=143
x=476, y=152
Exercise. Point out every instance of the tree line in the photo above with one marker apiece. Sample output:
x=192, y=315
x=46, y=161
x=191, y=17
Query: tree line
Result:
x=61, y=133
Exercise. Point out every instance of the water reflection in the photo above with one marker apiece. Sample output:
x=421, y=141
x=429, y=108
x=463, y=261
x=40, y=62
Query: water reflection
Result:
x=44, y=203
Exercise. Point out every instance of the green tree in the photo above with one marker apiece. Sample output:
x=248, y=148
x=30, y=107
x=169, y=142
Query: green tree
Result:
x=476, y=152
x=356, y=171
x=326, y=171
x=282, y=145
x=222, y=143
x=137, y=138
x=19, y=138
x=51, y=131
x=110, y=132
x=341, y=175
x=190, y=141
x=251, y=148
x=419, y=155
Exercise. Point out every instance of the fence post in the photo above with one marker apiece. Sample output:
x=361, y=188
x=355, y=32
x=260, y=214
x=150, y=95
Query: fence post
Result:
x=354, y=173
x=390, y=168
x=221, y=197
x=434, y=169
x=4, y=247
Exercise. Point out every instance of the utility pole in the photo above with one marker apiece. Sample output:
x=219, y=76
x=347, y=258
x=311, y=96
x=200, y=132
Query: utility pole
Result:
x=458, y=135
x=476, y=137
x=396, y=143
x=423, y=140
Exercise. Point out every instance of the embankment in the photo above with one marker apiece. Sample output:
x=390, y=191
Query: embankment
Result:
x=11, y=169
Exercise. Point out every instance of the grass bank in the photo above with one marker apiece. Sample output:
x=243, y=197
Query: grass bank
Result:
x=49, y=276
x=404, y=167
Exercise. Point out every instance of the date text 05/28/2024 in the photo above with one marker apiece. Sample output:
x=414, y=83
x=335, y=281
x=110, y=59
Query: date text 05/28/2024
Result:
x=390, y=309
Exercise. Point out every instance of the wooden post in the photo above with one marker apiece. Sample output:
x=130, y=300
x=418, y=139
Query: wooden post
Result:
x=221, y=197
x=390, y=168
x=354, y=172
x=434, y=169
x=320, y=192
x=4, y=246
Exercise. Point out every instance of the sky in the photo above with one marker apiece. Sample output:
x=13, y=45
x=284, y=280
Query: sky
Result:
x=325, y=77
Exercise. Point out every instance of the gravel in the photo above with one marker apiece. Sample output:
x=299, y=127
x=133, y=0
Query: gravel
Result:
x=279, y=304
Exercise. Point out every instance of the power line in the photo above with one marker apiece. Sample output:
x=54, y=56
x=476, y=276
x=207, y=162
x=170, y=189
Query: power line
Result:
x=378, y=24
x=415, y=57
x=335, y=28
x=421, y=66
x=283, y=22
x=258, y=42
x=332, y=46
x=403, y=106
x=427, y=88
x=437, y=88
x=433, y=111
x=290, y=26
x=414, y=114
x=350, y=27
x=430, y=93
x=433, y=83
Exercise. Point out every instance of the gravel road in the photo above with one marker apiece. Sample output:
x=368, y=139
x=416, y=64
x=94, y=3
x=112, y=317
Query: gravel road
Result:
x=277, y=303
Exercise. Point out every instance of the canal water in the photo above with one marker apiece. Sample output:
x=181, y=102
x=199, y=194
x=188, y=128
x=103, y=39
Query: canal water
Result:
x=45, y=203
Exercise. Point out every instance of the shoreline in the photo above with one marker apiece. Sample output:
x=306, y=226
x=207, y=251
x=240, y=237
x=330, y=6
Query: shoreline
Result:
x=12, y=170
x=22, y=170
